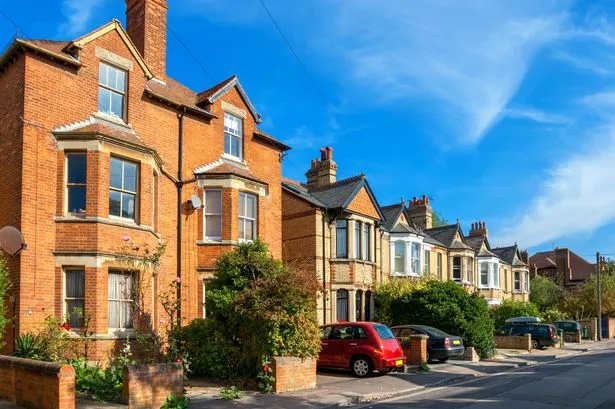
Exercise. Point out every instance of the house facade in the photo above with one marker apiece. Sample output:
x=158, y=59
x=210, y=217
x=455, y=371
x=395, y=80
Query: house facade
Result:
x=561, y=265
x=105, y=150
x=333, y=228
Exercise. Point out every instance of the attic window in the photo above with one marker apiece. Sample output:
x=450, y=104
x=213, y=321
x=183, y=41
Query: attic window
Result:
x=233, y=135
x=111, y=91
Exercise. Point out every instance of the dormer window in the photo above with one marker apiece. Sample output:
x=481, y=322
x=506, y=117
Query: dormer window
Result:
x=111, y=91
x=233, y=135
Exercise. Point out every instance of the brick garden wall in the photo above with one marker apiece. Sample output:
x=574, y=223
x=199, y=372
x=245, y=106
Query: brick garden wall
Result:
x=37, y=384
x=293, y=374
x=513, y=342
x=147, y=386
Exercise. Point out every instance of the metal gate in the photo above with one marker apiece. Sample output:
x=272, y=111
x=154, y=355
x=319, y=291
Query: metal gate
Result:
x=604, y=328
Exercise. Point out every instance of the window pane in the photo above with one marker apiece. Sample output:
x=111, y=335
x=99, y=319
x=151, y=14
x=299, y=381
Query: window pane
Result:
x=75, y=320
x=130, y=176
x=75, y=284
x=358, y=305
x=365, y=242
x=399, y=264
x=342, y=305
x=115, y=173
x=114, y=314
x=242, y=229
x=112, y=78
x=121, y=80
x=250, y=230
x=128, y=205
x=102, y=74
x=76, y=199
x=484, y=278
x=213, y=201
x=76, y=168
x=242, y=204
x=251, y=206
x=357, y=240
x=227, y=143
x=341, y=239
x=117, y=105
x=213, y=226
x=400, y=248
x=115, y=200
x=104, y=100
x=235, y=146
x=126, y=315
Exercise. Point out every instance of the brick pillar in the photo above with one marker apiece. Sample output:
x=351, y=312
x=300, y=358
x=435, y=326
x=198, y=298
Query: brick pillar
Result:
x=417, y=353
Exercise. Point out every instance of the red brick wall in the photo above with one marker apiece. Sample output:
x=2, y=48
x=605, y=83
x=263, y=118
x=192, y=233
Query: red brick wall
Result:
x=293, y=374
x=147, y=386
x=37, y=384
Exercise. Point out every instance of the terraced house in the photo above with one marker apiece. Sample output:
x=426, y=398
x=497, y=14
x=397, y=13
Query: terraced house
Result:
x=334, y=228
x=417, y=249
x=100, y=147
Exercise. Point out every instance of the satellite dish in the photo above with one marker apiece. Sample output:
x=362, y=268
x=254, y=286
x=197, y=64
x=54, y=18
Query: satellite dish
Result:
x=11, y=240
x=195, y=201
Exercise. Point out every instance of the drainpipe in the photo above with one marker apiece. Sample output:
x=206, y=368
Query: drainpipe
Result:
x=180, y=185
x=324, y=272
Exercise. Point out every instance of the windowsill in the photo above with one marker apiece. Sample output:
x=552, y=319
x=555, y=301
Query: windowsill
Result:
x=118, y=333
x=123, y=220
x=489, y=288
x=235, y=159
x=404, y=274
x=216, y=242
x=110, y=221
x=111, y=118
x=352, y=260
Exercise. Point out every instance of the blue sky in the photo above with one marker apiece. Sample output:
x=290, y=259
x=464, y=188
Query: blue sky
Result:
x=498, y=110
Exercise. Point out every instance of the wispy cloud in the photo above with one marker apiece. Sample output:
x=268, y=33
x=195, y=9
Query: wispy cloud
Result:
x=599, y=101
x=592, y=65
x=537, y=115
x=78, y=14
x=472, y=56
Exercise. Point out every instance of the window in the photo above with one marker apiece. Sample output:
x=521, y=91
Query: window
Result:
x=341, y=303
x=204, y=299
x=439, y=265
x=526, y=281
x=343, y=332
x=357, y=240
x=341, y=239
x=416, y=258
x=74, y=296
x=484, y=274
x=427, y=256
x=247, y=217
x=470, y=269
x=123, y=188
x=111, y=90
x=368, y=306
x=517, y=278
x=358, y=305
x=366, y=242
x=495, y=275
x=400, y=257
x=233, y=135
x=489, y=274
x=76, y=168
x=384, y=332
x=120, y=299
x=456, y=268
x=212, y=213
x=325, y=332
x=359, y=333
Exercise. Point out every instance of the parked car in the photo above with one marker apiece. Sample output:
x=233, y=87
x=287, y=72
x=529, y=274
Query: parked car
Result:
x=440, y=346
x=543, y=335
x=570, y=328
x=361, y=347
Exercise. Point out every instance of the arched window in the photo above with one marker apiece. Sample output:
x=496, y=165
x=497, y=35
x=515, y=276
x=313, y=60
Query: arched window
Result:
x=342, y=305
x=368, y=306
x=358, y=305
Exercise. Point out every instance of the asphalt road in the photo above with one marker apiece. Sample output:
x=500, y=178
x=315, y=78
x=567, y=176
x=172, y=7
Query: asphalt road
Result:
x=584, y=381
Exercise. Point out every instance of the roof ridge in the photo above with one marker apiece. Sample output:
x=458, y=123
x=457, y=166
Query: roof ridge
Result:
x=217, y=86
x=392, y=205
x=339, y=182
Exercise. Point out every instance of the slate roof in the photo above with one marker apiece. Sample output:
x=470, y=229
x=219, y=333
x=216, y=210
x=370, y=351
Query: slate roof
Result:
x=300, y=190
x=430, y=240
x=391, y=214
x=446, y=235
x=508, y=254
x=580, y=268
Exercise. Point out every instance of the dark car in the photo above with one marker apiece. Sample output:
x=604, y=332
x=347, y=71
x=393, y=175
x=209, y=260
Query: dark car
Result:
x=360, y=347
x=569, y=328
x=543, y=335
x=440, y=346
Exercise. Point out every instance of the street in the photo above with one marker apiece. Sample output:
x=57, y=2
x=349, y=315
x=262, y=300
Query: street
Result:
x=585, y=381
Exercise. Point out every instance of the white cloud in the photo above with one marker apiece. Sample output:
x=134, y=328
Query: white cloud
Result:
x=470, y=55
x=78, y=14
x=537, y=115
x=600, y=101
x=593, y=65
x=576, y=196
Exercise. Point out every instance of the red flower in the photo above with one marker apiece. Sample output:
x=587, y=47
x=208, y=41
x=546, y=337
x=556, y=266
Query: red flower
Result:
x=65, y=325
x=266, y=368
x=179, y=360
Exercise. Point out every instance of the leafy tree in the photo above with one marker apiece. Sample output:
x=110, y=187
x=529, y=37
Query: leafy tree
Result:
x=545, y=293
x=389, y=291
x=510, y=308
x=447, y=306
x=581, y=303
x=5, y=285
x=438, y=219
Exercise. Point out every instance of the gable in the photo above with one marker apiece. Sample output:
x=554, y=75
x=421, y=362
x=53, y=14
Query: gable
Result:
x=229, y=86
x=363, y=204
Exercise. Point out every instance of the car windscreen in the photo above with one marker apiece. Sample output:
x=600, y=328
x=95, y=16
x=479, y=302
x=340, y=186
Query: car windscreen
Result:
x=384, y=332
x=435, y=332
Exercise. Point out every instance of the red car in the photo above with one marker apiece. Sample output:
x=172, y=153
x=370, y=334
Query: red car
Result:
x=361, y=347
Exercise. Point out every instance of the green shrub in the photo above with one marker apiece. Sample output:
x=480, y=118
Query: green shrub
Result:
x=552, y=314
x=510, y=308
x=231, y=393
x=447, y=306
x=176, y=402
x=29, y=346
x=389, y=291
x=544, y=293
x=5, y=285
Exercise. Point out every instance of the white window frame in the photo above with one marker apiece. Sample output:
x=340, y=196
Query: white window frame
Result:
x=493, y=273
x=232, y=133
x=427, y=261
x=415, y=262
x=365, y=241
x=205, y=214
x=121, y=300
x=403, y=256
x=68, y=185
x=124, y=191
x=65, y=295
x=457, y=280
x=243, y=219
x=121, y=92
x=515, y=273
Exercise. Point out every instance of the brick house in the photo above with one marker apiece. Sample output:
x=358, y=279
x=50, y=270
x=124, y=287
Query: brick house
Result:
x=102, y=146
x=334, y=228
x=420, y=250
x=561, y=265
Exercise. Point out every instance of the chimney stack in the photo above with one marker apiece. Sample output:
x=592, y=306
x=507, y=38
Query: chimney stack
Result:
x=323, y=171
x=420, y=212
x=146, y=24
x=562, y=265
x=479, y=229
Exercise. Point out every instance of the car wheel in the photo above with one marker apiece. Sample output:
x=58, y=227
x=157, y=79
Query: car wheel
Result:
x=535, y=344
x=442, y=360
x=361, y=367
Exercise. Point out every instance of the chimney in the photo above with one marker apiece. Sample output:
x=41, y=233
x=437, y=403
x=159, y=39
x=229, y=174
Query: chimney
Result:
x=146, y=24
x=323, y=171
x=420, y=212
x=479, y=229
x=562, y=265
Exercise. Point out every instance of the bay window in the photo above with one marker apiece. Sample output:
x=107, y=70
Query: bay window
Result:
x=365, y=243
x=357, y=240
x=457, y=269
x=517, y=280
x=341, y=305
x=74, y=296
x=123, y=188
x=120, y=298
x=416, y=258
x=76, y=168
x=247, y=217
x=400, y=257
x=341, y=238
x=212, y=213
x=489, y=273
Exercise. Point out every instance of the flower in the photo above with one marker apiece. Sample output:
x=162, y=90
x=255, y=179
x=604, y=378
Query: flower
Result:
x=179, y=360
x=65, y=325
x=125, y=238
x=266, y=368
x=178, y=280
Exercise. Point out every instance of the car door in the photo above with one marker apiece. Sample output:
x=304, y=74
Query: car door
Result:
x=339, y=343
x=325, y=356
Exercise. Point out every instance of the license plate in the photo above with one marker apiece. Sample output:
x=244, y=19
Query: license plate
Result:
x=456, y=342
x=399, y=362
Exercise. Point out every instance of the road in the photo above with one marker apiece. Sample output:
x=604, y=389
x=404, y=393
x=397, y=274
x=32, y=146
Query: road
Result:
x=584, y=381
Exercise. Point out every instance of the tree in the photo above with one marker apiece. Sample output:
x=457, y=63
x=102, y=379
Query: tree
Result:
x=581, y=303
x=545, y=293
x=386, y=293
x=447, y=306
x=438, y=219
x=510, y=308
x=5, y=285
